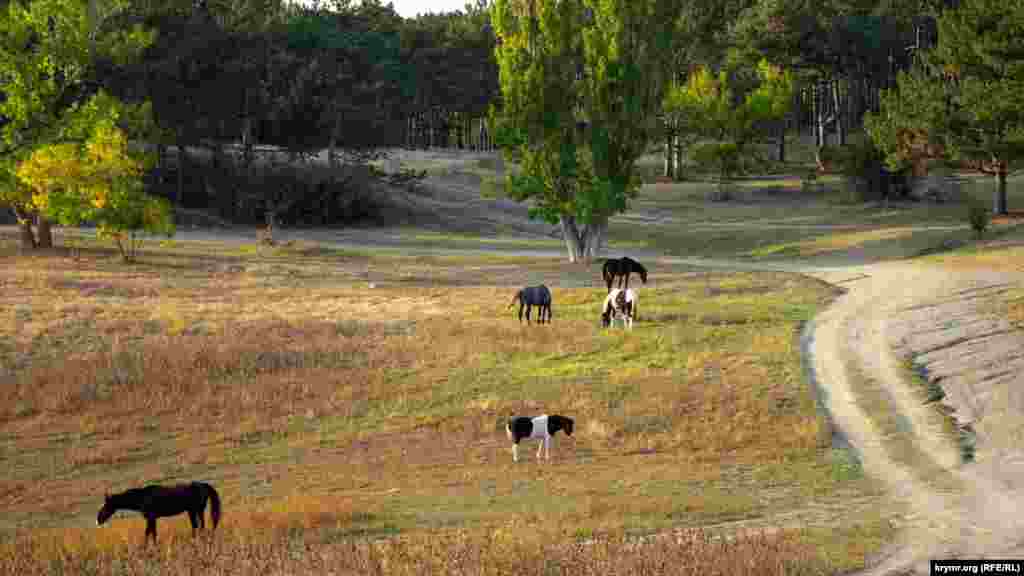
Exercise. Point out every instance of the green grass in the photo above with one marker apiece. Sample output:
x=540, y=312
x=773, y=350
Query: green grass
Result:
x=325, y=409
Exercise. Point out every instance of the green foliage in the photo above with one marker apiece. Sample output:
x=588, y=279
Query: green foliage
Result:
x=911, y=120
x=859, y=158
x=97, y=180
x=706, y=104
x=564, y=65
x=966, y=105
x=47, y=52
x=978, y=216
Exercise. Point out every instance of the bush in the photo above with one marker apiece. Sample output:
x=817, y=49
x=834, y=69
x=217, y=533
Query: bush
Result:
x=862, y=165
x=858, y=158
x=978, y=216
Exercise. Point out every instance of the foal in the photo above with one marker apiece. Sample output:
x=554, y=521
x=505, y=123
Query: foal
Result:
x=619, y=304
x=542, y=427
x=531, y=296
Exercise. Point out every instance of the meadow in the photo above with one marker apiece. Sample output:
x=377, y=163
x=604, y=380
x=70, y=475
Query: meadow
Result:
x=350, y=408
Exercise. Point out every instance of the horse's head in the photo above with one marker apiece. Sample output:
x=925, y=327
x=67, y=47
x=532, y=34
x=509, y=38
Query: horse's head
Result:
x=567, y=424
x=107, y=511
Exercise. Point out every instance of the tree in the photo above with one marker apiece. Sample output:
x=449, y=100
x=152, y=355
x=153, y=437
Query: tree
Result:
x=98, y=180
x=964, y=105
x=842, y=51
x=707, y=105
x=581, y=84
x=47, y=50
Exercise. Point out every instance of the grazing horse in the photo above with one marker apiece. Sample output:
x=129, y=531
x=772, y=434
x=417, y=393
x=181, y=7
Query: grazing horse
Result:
x=622, y=267
x=159, y=501
x=619, y=304
x=542, y=427
x=531, y=296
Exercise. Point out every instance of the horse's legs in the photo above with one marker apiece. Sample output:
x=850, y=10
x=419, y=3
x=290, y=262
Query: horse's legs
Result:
x=521, y=311
x=151, y=528
x=515, y=452
x=528, y=308
x=196, y=518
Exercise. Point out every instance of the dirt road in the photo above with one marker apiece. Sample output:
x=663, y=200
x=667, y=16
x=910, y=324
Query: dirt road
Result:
x=901, y=310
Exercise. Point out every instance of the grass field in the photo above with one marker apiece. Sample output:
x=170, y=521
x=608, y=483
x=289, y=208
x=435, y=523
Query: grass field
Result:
x=773, y=218
x=350, y=407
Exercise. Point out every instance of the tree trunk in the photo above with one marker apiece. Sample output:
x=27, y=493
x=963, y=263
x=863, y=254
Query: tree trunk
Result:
x=999, y=199
x=180, y=196
x=680, y=157
x=782, y=141
x=28, y=239
x=45, y=233
x=332, y=147
x=837, y=113
x=583, y=243
x=670, y=171
x=819, y=120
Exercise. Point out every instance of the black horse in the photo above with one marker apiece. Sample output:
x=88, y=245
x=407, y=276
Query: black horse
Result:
x=159, y=501
x=622, y=267
x=530, y=296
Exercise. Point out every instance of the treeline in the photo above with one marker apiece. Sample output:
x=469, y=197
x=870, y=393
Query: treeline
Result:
x=227, y=81
x=347, y=78
x=224, y=77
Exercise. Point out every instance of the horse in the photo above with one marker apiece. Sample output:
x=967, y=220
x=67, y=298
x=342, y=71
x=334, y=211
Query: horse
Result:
x=543, y=427
x=531, y=296
x=622, y=267
x=156, y=501
x=619, y=304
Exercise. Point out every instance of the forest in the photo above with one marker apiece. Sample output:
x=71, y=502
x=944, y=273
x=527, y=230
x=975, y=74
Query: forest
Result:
x=225, y=103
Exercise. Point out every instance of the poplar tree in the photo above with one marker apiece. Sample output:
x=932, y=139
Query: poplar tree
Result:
x=582, y=83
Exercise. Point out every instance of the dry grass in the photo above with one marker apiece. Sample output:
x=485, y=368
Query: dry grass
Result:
x=833, y=242
x=329, y=413
x=456, y=552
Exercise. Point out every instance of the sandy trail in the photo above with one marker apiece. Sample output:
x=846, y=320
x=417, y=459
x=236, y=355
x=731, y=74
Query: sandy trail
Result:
x=898, y=310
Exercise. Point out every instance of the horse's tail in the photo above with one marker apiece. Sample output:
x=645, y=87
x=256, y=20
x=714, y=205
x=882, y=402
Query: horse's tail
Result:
x=214, y=504
x=518, y=296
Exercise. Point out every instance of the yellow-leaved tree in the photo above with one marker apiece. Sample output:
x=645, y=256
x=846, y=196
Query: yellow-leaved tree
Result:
x=706, y=105
x=48, y=50
x=98, y=180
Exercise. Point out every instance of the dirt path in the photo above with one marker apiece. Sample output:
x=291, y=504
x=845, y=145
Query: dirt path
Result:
x=898, y=310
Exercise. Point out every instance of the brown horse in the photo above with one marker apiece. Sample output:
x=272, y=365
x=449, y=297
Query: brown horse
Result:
x=159, y=501
x=622, y=268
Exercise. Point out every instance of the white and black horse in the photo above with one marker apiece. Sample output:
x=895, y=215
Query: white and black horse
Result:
x=531, y=296
x=619, y=304
x=622, y=268
x=542, y=427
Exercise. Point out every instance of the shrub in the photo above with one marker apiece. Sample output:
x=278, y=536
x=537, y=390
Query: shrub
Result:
x=978, y=216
